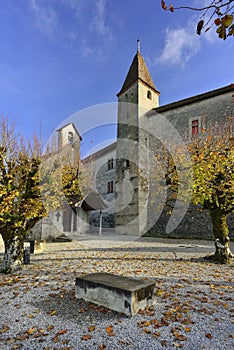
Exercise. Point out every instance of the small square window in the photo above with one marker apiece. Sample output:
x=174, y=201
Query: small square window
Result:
x=149, y=95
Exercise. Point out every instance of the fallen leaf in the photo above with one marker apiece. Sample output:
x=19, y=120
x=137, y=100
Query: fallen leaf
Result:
x=62, y=331
x=54, y=312
x=141, y=312
x=208, y=335
x=91, y=328
x=5, y=328
x=50, y=327
x=147, y=331
x=55, y=339
x=32, y=330
x=102, y=347
x=86, y=337
x=181, y=337
x=156, y=334
x=109, y=329
x=178, y=345
x=11, y=341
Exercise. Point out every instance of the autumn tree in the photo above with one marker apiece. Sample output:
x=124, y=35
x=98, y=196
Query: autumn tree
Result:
x=212, y=156
x=20, y=204
x=217, y=13
x=31, y=185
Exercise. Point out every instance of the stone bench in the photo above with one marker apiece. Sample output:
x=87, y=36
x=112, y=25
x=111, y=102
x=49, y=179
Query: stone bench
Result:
x=122, y=294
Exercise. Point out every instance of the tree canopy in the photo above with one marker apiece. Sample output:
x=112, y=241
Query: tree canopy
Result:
x=31, y=185
x=212, y=156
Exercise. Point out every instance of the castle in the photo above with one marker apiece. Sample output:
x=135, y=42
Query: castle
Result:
x=143, y=126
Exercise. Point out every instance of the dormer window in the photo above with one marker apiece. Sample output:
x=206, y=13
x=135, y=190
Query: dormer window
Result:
x=149, y=95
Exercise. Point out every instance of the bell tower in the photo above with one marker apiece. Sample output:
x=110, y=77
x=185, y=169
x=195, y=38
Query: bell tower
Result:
x=137, y=96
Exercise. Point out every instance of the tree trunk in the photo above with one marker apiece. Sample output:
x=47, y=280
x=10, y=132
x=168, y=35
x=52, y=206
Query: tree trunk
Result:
x=13, y=255
x=220, y=229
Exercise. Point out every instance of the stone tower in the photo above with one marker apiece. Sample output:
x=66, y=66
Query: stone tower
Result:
x=137, y=96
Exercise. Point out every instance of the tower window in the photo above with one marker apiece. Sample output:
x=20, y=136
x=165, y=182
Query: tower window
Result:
x=110, y=164
x=149, y=95
x=110, y=187
x=70, y=137
x=126, y=163
x=195, y=125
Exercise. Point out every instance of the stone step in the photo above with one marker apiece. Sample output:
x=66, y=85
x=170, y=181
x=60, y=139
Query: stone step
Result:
x=119, y=293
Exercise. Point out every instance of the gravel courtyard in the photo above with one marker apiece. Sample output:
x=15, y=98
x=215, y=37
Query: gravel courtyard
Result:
x=194, y=307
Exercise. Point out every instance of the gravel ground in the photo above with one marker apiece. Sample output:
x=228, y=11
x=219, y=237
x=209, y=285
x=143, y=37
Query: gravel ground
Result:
x=194, y=307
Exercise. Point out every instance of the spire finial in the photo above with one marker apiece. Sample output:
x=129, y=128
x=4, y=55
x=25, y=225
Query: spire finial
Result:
x=138, y=45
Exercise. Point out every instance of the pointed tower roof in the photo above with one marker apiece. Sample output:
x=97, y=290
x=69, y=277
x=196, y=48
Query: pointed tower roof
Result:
x=138, y=71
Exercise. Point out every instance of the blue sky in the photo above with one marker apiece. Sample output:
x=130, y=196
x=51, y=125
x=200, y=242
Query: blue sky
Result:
x=61, y=56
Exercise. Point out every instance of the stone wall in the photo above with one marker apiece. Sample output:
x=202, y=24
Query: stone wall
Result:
x=211, y=113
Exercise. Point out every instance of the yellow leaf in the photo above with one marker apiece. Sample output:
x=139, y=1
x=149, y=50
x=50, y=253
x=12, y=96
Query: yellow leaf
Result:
x=54, y=312
x=91, y=328
x=31, y=330
x=147, y=331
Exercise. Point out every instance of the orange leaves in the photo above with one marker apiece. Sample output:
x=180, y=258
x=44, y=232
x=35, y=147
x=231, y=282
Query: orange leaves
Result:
x=89, y=336
x=142, y=324
x=86, y=337
x=164, y=6
x=209, y=336
x=187, y=329
x=147, y=331
x=62, y=331
x=109, y=331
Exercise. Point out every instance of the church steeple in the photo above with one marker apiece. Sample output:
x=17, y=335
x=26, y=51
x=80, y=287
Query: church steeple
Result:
x=138, y=71
x=137, y=96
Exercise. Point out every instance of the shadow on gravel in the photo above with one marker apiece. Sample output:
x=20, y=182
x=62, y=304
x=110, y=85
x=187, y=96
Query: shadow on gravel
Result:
x=67, y=306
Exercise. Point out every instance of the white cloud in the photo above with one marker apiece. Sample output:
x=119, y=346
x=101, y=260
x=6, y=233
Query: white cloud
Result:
x=180, y=46
x=45, y=18
x=99, y=22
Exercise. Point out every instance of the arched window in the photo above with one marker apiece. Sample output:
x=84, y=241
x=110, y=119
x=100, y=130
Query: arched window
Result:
x=70, y=137
x=149, y=95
